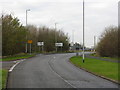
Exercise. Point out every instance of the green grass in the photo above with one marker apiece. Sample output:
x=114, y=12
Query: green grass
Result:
x=99, y=67
x=15, y=57
x=3, y=78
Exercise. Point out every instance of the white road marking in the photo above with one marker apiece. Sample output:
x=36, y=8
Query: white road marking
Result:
x=11, y=69
x=61, y=76
x=14, y=61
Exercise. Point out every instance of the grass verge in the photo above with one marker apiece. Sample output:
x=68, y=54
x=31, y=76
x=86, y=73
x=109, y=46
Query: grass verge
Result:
x=16, y=57
x=99, y=67
x=3, y=78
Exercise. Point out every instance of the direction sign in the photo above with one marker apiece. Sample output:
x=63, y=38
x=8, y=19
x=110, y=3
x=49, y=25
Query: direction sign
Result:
x=59, y=44
x=30, y=41
x=40, y=43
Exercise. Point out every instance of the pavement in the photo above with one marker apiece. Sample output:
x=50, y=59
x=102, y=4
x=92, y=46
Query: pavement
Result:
x=104, y=59
x=53, y=71
x=8, y=64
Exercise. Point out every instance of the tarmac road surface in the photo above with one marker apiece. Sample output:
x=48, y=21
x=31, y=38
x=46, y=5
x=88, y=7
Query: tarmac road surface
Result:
x=53, y=71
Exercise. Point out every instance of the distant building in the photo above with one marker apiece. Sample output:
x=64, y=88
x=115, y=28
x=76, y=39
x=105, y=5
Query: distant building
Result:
x=75, y=46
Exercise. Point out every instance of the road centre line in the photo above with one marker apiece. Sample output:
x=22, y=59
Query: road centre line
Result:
x=60, y=76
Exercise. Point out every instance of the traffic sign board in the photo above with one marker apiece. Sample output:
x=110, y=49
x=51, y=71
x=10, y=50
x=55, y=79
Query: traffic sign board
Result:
x=30, y=41
x=59, y=44
x=40, y=43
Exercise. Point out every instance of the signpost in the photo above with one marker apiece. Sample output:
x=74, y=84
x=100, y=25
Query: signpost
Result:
x=30, y=42
x=58, y=44
x=40, y=44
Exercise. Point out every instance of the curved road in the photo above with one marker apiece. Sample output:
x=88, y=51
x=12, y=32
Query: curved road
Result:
x=53, y=71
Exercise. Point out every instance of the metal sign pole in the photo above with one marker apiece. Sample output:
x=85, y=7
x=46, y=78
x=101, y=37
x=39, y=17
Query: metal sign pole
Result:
x=61, y=48
x=39, y=49
x=55, y=36
x=30, y=48
x=94, y=43
x=42, y=48
x=26, y=35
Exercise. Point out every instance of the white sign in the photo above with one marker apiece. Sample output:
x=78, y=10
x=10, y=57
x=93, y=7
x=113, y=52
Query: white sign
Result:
x=59, y=44
x=40, y=43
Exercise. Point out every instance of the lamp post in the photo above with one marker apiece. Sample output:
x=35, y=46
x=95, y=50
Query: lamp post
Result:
x=26, y=27
x=83, y=33
x=73, y=48
x=73, y=36
x=94, y=43
x=55, y=36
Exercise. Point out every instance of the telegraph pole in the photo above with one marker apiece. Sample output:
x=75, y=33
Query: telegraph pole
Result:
x=83, y=34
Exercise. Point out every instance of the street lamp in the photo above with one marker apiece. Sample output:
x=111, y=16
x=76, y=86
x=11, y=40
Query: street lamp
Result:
x=55, y=36
x=83, y=33
x=26, y=27
x=26, y=15
x=73, y=36
x=94, y=43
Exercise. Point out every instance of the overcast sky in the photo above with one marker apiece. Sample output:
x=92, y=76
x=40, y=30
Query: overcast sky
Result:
x=68, y=14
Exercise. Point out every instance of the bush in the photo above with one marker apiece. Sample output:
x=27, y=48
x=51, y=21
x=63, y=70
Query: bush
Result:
x=108, y=44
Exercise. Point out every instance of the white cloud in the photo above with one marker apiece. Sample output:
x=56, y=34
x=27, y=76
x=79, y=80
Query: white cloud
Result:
x=68, y=15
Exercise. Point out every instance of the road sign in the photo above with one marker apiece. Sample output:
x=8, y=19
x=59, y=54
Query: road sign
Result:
x=59, y=44
x=40, y=43
x=30, y=41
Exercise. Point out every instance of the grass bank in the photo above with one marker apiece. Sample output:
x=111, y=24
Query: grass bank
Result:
x=16, y=57
x=3, y=78
x=99, y=67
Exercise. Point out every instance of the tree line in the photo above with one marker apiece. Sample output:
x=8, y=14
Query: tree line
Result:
x=15, y=36
x=108, y=45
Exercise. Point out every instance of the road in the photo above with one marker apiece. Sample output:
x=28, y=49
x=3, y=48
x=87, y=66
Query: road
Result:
x=54, y=71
